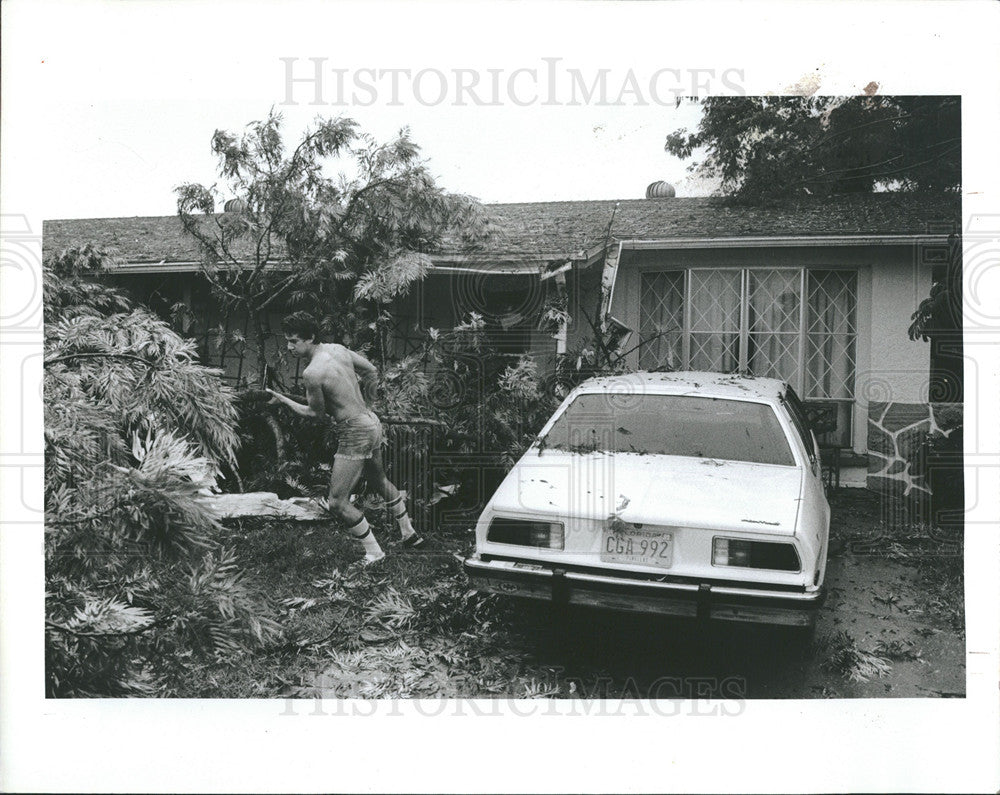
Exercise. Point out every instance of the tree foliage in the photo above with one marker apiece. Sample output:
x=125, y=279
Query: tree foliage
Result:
x=940, y=314
x=766, y=147
x=339, y=226
x=938, y=320
x=933, y=314
x=136, y=433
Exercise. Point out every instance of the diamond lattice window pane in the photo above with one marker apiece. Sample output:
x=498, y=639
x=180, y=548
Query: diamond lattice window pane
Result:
x=830, y=339
x=716, y=300
x=832, y=302
x=715, y=352
x=774, y=320
x=830, y=362
x=661, y=320
x=774, y=356
x=774, y=301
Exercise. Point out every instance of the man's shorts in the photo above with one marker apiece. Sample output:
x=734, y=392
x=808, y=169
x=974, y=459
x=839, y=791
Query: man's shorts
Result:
x=360, y=437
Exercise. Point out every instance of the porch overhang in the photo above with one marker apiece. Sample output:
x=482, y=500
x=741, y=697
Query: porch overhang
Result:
x=542, y=264
x=529, y=265
x=185, y=267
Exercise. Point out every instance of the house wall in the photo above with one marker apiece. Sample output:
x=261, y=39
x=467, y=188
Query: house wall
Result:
x=584, y=293
x=899, y=369
x=892, y=280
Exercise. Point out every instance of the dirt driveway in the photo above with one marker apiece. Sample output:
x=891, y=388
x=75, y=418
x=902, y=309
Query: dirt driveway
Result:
x=877, y=636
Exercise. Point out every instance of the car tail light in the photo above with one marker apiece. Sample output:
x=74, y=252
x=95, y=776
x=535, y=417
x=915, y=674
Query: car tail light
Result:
x=548, y=535
x=754, y=554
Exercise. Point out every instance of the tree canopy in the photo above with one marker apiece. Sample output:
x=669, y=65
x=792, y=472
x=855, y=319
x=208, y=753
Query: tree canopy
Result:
x=347, y=218
x=768, y=147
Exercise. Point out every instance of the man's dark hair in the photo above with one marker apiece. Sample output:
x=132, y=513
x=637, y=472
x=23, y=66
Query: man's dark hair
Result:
x=302, y=325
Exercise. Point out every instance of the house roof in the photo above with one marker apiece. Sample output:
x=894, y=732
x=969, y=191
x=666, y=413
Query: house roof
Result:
x=140, y=239
x=569, y=227
x=533, y=233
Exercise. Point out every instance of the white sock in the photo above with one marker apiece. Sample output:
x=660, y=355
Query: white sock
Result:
x=398, y=509
x=363, y=533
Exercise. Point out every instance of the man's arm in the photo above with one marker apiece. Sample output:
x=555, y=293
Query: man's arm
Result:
x=316, y=405
x=367, y=375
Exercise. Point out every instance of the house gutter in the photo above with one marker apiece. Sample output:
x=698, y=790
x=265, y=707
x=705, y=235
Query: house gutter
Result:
x=501, y=271
x=783, y=241
x=561, y=269
x=536, y=266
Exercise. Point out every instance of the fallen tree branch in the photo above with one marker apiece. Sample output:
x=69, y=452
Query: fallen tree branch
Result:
x=98, y=354
x=77, y=633
x=266, y=504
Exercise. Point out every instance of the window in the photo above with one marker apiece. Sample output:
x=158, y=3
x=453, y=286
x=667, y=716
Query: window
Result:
x=830, y=335
x=795, y=324
x=661, y=321
x=680, y=425
x=714, y=309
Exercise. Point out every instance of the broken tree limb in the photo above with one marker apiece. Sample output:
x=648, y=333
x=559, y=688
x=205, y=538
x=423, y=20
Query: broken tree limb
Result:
x=267, y=504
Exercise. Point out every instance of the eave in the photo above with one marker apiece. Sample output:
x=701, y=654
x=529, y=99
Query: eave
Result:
x=782, y=241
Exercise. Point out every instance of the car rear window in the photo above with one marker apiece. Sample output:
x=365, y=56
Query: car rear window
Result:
x=681, y=425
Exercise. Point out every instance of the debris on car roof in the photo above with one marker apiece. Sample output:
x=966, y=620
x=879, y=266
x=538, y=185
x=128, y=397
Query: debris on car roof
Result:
x=710, y=384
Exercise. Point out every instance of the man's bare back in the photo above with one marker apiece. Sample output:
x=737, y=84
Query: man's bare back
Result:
x=334, y=370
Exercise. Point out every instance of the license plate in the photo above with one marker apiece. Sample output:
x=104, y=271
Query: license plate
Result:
x=643, y=547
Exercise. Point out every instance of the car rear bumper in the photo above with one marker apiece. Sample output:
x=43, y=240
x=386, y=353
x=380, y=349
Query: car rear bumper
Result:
x=693, y=600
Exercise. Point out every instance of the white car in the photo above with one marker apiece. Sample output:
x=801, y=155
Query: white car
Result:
x=691, y=494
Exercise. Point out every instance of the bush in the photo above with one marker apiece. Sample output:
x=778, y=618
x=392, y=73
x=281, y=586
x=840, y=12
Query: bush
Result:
x=136, y=434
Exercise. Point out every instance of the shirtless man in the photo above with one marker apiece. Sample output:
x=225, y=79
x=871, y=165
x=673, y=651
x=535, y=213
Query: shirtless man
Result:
x=334, y=378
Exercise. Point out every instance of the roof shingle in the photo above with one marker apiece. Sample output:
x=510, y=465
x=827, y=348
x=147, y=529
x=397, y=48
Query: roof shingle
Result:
x=544, y=230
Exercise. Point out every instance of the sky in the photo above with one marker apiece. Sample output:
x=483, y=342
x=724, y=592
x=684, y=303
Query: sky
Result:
x=127, y=113
x=125, y=160
x=116, y=102
x=509, y=102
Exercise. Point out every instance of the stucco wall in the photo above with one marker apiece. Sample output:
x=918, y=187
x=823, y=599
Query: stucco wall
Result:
x=898, y=369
